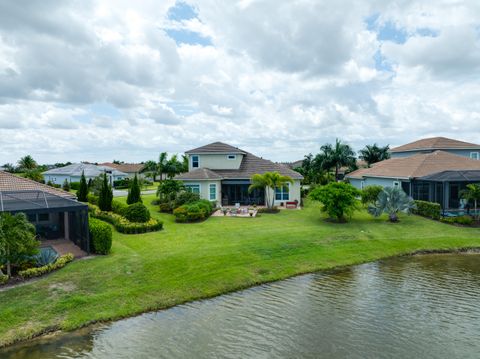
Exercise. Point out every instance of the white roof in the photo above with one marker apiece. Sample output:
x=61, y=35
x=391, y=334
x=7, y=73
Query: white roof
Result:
x=88, y=169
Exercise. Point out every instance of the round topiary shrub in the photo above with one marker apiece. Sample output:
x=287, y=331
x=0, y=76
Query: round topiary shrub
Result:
x=100, y=236
x=137, y=212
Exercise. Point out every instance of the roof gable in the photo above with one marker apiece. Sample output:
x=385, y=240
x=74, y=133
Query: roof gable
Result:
x=216, y=147
x=435, y=143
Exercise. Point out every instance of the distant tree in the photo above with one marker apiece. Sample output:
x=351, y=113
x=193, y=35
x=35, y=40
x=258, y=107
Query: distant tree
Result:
x=27, y=163
x=9, y=167
x=106, y=195
x=173, y=166
x=162, y=164
x=335, y=156
x=168, y=189
x=472, y=193
x=184, y=164
x=339, y=199
x=391, y=201
x=17, y=239
x=34, y=174
x=66, y=185
x=117, y=162
x=134, y=195
x=266, y=181
x=82, y=192
x=313, y=172
x=374, y=153
x=60, y=164
x=150, y=168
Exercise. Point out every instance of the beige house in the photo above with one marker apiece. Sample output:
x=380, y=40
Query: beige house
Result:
x=221, y=173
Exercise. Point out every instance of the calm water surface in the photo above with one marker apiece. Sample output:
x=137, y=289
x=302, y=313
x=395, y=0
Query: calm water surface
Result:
x=411, y=307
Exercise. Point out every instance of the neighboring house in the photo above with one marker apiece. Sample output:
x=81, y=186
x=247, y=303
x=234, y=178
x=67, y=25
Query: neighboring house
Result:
x=437, y=176
x=55, y=213
x=73, y=172
x=130, y=169
x=220, y=172
x=428, y=145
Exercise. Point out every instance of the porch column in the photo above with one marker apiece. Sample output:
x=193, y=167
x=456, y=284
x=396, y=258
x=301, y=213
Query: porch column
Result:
x=66, y=226
x=446, y=195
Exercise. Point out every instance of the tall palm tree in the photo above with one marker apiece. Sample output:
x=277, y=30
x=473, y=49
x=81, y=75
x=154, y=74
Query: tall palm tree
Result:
x=472, y=193
x=150, y=167
x=269, y=180
x=27, y=163
x=374, y=153
x=336, y=156
x=162, y=164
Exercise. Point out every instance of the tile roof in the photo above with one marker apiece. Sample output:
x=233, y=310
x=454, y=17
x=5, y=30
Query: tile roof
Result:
x=216, y=147
x=125, y=167
x=90, y=170
x=418, y=165
x=435, y=143
x=250, y=165
x=11, y=182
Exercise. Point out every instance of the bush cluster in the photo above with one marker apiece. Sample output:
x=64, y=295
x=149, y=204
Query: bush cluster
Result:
x=193, y=212
x=92, y=199
x=137, y=212
x=463, y=220
x=38, y=271
x=122, y=224
x=119, y=207
x=274, y=209
x=100, y=236
x=166, y=207
x=3, y=278
x=370, y=194
x=428, y=209
x=75, y=186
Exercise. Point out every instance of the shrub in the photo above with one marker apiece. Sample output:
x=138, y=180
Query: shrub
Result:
x=185, y=197
x=122, y=224
x=38, y=271
x=123, y=183
x=370, y=194
x=155, y=202
x=192, y=212
x=106, y=195
x=463, y=220
x=3, y=278
x=166, y=207
x=92, y=199
x=339, y=199
x=66, y=185
x=392, y=200
x=134, y=192
x=137, y=212
x=180, y=214
x=428, y=209
x=100, y=236
x=75, y=186
x=82, y=192
x=272, y=210
x=45, y=257
x=119, y=207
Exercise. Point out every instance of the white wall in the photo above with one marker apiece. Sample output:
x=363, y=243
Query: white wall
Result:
x=205, y=189
x=293, y=194
x=216, y=161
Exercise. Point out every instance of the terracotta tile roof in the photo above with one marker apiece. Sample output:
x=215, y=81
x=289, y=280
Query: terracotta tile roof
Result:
x=11, y=182
x=125, y=167
x=250, y=165
x=418, y=165
x=216, y=147
x=435, y=143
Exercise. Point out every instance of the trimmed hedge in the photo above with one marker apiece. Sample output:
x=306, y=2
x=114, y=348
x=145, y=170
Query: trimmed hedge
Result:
x=463, y=220
x=75, y=186
x=137, y=212
x=119, y=207
x=193, y=212
x=428, y=209
x=122, y=224
x=38, y=271
x=100, y=236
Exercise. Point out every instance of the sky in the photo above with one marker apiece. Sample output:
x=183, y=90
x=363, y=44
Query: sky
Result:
x=96, y=81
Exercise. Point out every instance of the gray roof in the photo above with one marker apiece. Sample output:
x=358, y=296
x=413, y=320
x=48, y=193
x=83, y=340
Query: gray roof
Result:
x=453, y=176
x=89, y=169
x=216, y=147
x=250, y=165
x=36, y=201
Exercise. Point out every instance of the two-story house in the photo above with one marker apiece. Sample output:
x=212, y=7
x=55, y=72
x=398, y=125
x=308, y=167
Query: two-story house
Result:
x=432, y=169
x=220, y=172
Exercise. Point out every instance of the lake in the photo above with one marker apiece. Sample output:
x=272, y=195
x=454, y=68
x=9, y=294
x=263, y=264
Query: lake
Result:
x=406, y=307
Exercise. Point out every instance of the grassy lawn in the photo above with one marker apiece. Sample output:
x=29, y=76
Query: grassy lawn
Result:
x=191, y=261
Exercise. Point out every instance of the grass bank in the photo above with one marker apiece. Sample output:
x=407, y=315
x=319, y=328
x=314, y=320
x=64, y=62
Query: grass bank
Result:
x=185, y=262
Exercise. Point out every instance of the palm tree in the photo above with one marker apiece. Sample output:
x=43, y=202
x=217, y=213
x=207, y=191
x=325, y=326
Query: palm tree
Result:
x=374, y=153
x=150, y=167
x=472, y=193
x=335, y=156
x=27, y=163
x=266, y=181
x=162, y=164
x=391, y=201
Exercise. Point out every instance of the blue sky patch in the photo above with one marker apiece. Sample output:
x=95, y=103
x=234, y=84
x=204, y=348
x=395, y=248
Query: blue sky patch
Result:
x=179, y=12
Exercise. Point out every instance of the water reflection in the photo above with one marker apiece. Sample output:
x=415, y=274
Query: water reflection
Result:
x=424, y=306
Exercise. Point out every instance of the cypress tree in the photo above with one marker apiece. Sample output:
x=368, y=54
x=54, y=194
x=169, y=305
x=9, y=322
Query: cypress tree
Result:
x=134, y=192
x=106, y=195
x=82, y=193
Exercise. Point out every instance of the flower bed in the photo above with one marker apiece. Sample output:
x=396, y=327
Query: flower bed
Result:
x=38, y=271
x=122, y=224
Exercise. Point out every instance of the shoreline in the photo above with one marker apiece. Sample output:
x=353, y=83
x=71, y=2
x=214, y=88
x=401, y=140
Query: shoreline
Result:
x=53, y=331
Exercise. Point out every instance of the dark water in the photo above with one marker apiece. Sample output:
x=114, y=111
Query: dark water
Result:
x=412, y=307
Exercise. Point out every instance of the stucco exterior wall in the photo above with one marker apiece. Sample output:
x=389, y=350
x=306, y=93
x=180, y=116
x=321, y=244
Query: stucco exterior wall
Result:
x=205, y=189
x=216, y=162
x=370, y=181
x=464, y=153
x=293, y=194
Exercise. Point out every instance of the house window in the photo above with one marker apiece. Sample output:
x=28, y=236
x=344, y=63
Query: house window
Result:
x=195, y=162
x=194, y=188
x=396, y=184
x=232, y=157
x=212, y=192
x=282, y=193
x=43, y=217
x=475, y=155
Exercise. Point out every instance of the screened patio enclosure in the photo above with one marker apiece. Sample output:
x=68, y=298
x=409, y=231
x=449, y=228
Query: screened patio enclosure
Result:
x=444, y=188
x=54, y=217
x=236, y=191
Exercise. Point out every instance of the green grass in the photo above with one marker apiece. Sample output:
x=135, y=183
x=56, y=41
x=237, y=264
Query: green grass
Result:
x=191, y=261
